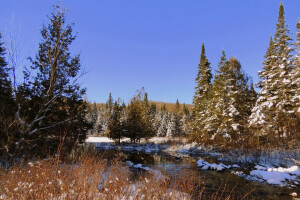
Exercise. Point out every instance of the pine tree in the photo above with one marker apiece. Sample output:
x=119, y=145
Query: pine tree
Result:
x=202, y=94
x=52, y=105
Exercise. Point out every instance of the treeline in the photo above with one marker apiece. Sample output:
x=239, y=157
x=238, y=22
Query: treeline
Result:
x=46, y=111
x=139, y=119
x=227, y=109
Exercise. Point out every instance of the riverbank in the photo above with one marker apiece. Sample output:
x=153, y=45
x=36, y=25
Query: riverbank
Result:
x=276, y=167
x=93, y=177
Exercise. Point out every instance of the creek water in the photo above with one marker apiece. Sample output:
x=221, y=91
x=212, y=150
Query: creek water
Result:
x=213, y=180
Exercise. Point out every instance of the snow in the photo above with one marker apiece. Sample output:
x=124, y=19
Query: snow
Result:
x=98, y=140
x=235, y=127
x=219, y=167
x=277, y=176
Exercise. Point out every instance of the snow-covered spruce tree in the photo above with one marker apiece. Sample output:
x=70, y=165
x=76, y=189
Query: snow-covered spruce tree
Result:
x=234, y=105
x=258, y=116
x=217, y=104
x=173, y=127
x=184, y=125
x=296, y=73
x=7, y=106
x=273, y=112
x=295, y=121
x=52, y=110
x=202, y=96
x=162, y=123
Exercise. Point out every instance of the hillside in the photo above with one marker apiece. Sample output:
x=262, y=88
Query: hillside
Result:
x=159, y=105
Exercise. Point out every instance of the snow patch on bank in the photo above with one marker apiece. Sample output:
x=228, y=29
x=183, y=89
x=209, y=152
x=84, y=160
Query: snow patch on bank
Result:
x=277, y=176
x=219, y=167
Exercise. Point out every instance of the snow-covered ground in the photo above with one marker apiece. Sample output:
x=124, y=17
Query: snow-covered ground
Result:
x=278, y=176
x=219, y=167
x=277, y=167
x=157, y=140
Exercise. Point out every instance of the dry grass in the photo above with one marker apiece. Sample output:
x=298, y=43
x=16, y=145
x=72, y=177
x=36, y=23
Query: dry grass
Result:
x=96, y=178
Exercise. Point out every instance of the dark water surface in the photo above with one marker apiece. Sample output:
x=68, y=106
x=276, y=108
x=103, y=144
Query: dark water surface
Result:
x=213, y=180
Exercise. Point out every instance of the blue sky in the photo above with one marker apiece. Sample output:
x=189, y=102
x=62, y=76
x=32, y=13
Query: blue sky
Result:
x=156, y=44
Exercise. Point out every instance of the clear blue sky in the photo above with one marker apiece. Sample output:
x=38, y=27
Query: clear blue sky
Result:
x=128, y=44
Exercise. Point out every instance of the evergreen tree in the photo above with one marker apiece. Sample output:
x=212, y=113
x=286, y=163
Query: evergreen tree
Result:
x=202, y=93
x=93, y=118
x=7, y=104
x=296, y=73
x=228, y=111
x=94, y=113
x=109, y=102
x=252, y=99
x=177, y=107
x=185, y=110
x=295, y=85
x=139, y=123
x=257, y=118
x=216, y=106
x=173, y=127
x=116, y=128
x=273, y=111
x=52, y=108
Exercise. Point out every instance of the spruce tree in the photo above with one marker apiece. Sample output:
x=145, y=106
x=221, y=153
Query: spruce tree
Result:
x=177, y=107
x=295, y=85
x=296, y=73
x=186, y=111
x=93, y=118
x=274, y=109
x=258, y=118
x=230, y=106
x=202, y=94
x=116, y=128
x=173, y=126
x=109, y=103
x=217, y=104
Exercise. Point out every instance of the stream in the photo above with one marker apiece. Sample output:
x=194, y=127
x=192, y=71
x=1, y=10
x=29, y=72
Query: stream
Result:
x=174, y=164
